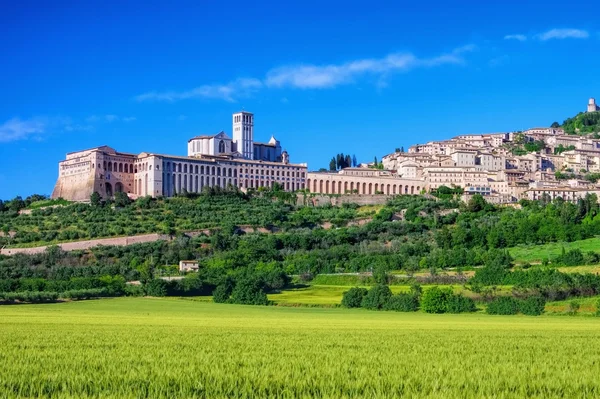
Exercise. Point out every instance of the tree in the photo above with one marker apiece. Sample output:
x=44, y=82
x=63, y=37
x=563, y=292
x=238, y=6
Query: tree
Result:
x=353, y=297
x=121, y=200
x=476, y=203
x=354, y=162
x=555, y=125
x=95, y=199
x=332, y=165
x=377, y=297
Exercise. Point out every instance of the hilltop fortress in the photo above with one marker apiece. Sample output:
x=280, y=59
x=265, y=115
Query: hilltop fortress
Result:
x=503, y=167
x=212, y=160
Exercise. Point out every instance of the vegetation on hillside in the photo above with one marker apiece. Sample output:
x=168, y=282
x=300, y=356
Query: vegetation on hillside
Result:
x=583, y=123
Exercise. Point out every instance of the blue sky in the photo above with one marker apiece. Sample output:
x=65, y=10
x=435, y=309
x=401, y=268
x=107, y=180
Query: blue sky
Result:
x=323, y=76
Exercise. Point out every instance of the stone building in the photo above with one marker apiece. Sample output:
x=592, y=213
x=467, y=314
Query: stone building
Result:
x=592, y=107
x=211, y=161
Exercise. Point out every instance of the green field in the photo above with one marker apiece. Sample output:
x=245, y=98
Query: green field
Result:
x=170, y=348
x=535, y=253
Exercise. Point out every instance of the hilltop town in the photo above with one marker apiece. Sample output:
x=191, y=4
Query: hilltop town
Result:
x=503, y=167
x=543, y=162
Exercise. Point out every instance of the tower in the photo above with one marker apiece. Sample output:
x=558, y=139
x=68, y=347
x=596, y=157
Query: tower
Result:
x=592, y=107
x=243, y=133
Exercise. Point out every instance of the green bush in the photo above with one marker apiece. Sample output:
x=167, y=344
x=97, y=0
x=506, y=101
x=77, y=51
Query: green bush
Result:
x=85, y=294
x=460, y=304
x=598, y=308
x=353, y=297
x=156, y=287
x=222, y=293
x=402, y=303
x=532, y=306
x=29, y=296
x=134, y=290
x=376, y=297
x=504, y=305
x=249, y=291
x=435, y=300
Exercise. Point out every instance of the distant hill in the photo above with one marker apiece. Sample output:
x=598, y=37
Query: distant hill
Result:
x=583, y=123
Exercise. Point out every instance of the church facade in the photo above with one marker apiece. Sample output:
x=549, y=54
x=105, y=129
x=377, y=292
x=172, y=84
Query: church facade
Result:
x=212, y=160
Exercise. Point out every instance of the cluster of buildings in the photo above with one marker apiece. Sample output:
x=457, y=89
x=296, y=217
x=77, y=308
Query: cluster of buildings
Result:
x=483, y=164
x=480, y=164
x=211, y=161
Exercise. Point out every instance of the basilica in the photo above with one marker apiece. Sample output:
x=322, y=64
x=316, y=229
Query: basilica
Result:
x=211, y=160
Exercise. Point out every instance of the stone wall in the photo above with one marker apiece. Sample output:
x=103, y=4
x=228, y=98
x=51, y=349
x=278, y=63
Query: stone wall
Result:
x=81, y=245
x=360, y=199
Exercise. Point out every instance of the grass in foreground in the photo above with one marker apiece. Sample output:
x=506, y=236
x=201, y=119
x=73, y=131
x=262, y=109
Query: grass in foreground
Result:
x=167, y=348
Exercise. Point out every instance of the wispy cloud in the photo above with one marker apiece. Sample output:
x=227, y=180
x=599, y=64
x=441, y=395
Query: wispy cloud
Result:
x=563, y=34
x=38, y=128
x=328, y=76
x=309, y=76
x=17, y=129
x=235, y=89
x=518, y=37
x=109, y=118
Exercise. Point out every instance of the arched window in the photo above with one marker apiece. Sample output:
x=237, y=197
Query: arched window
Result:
x=221, y=146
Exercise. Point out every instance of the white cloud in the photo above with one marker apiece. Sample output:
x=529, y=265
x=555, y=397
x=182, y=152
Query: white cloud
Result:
x=327, y=76
x=563, y=34
x=17, y=129
x=129, y=119
x=229, y=92
x=308, y=76
x=518, y=37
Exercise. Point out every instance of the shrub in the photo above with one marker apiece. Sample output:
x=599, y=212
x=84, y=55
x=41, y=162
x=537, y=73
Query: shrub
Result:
x=156, y=287
x=84, y=294
x=435, y=300
x=134, y=290
x=402, y=303
x=353, y=297
x=532, y=306
x=376, y=297
x=249, y=291
x=460, y=304
x=223, y=291
x=29, y=296
x=504, y=305
x=598, y=308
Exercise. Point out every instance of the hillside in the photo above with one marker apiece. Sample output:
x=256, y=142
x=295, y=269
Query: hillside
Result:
x=583, y=123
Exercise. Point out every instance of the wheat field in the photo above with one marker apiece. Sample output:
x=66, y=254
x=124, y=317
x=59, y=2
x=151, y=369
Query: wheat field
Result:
x=173, y=348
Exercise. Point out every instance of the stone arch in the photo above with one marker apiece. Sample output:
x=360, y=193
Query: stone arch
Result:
x=146, y=184
x=394, y=188
x=340, y=188
x=387, y=191
x=364, y=190
x=327, y=187
x=376, y=188
x=221, y=146
x=110, y=166
x=118, y=187
x=370, y=188
x=321, y=186
x=109, y=190
x=412, y=189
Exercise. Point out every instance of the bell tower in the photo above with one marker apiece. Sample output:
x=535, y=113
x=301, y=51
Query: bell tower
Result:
x=243, y=133
x=592, y=107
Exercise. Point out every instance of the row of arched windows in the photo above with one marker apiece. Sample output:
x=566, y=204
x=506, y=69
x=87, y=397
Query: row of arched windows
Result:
x=117, y=167
x=345, y=187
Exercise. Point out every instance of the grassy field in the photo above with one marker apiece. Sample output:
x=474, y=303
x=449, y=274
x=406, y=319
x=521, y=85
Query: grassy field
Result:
x=535, y=253
x=168, y=348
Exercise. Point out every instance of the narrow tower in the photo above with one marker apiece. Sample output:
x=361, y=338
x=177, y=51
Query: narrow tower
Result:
x=592, y=107
x=243, y=133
